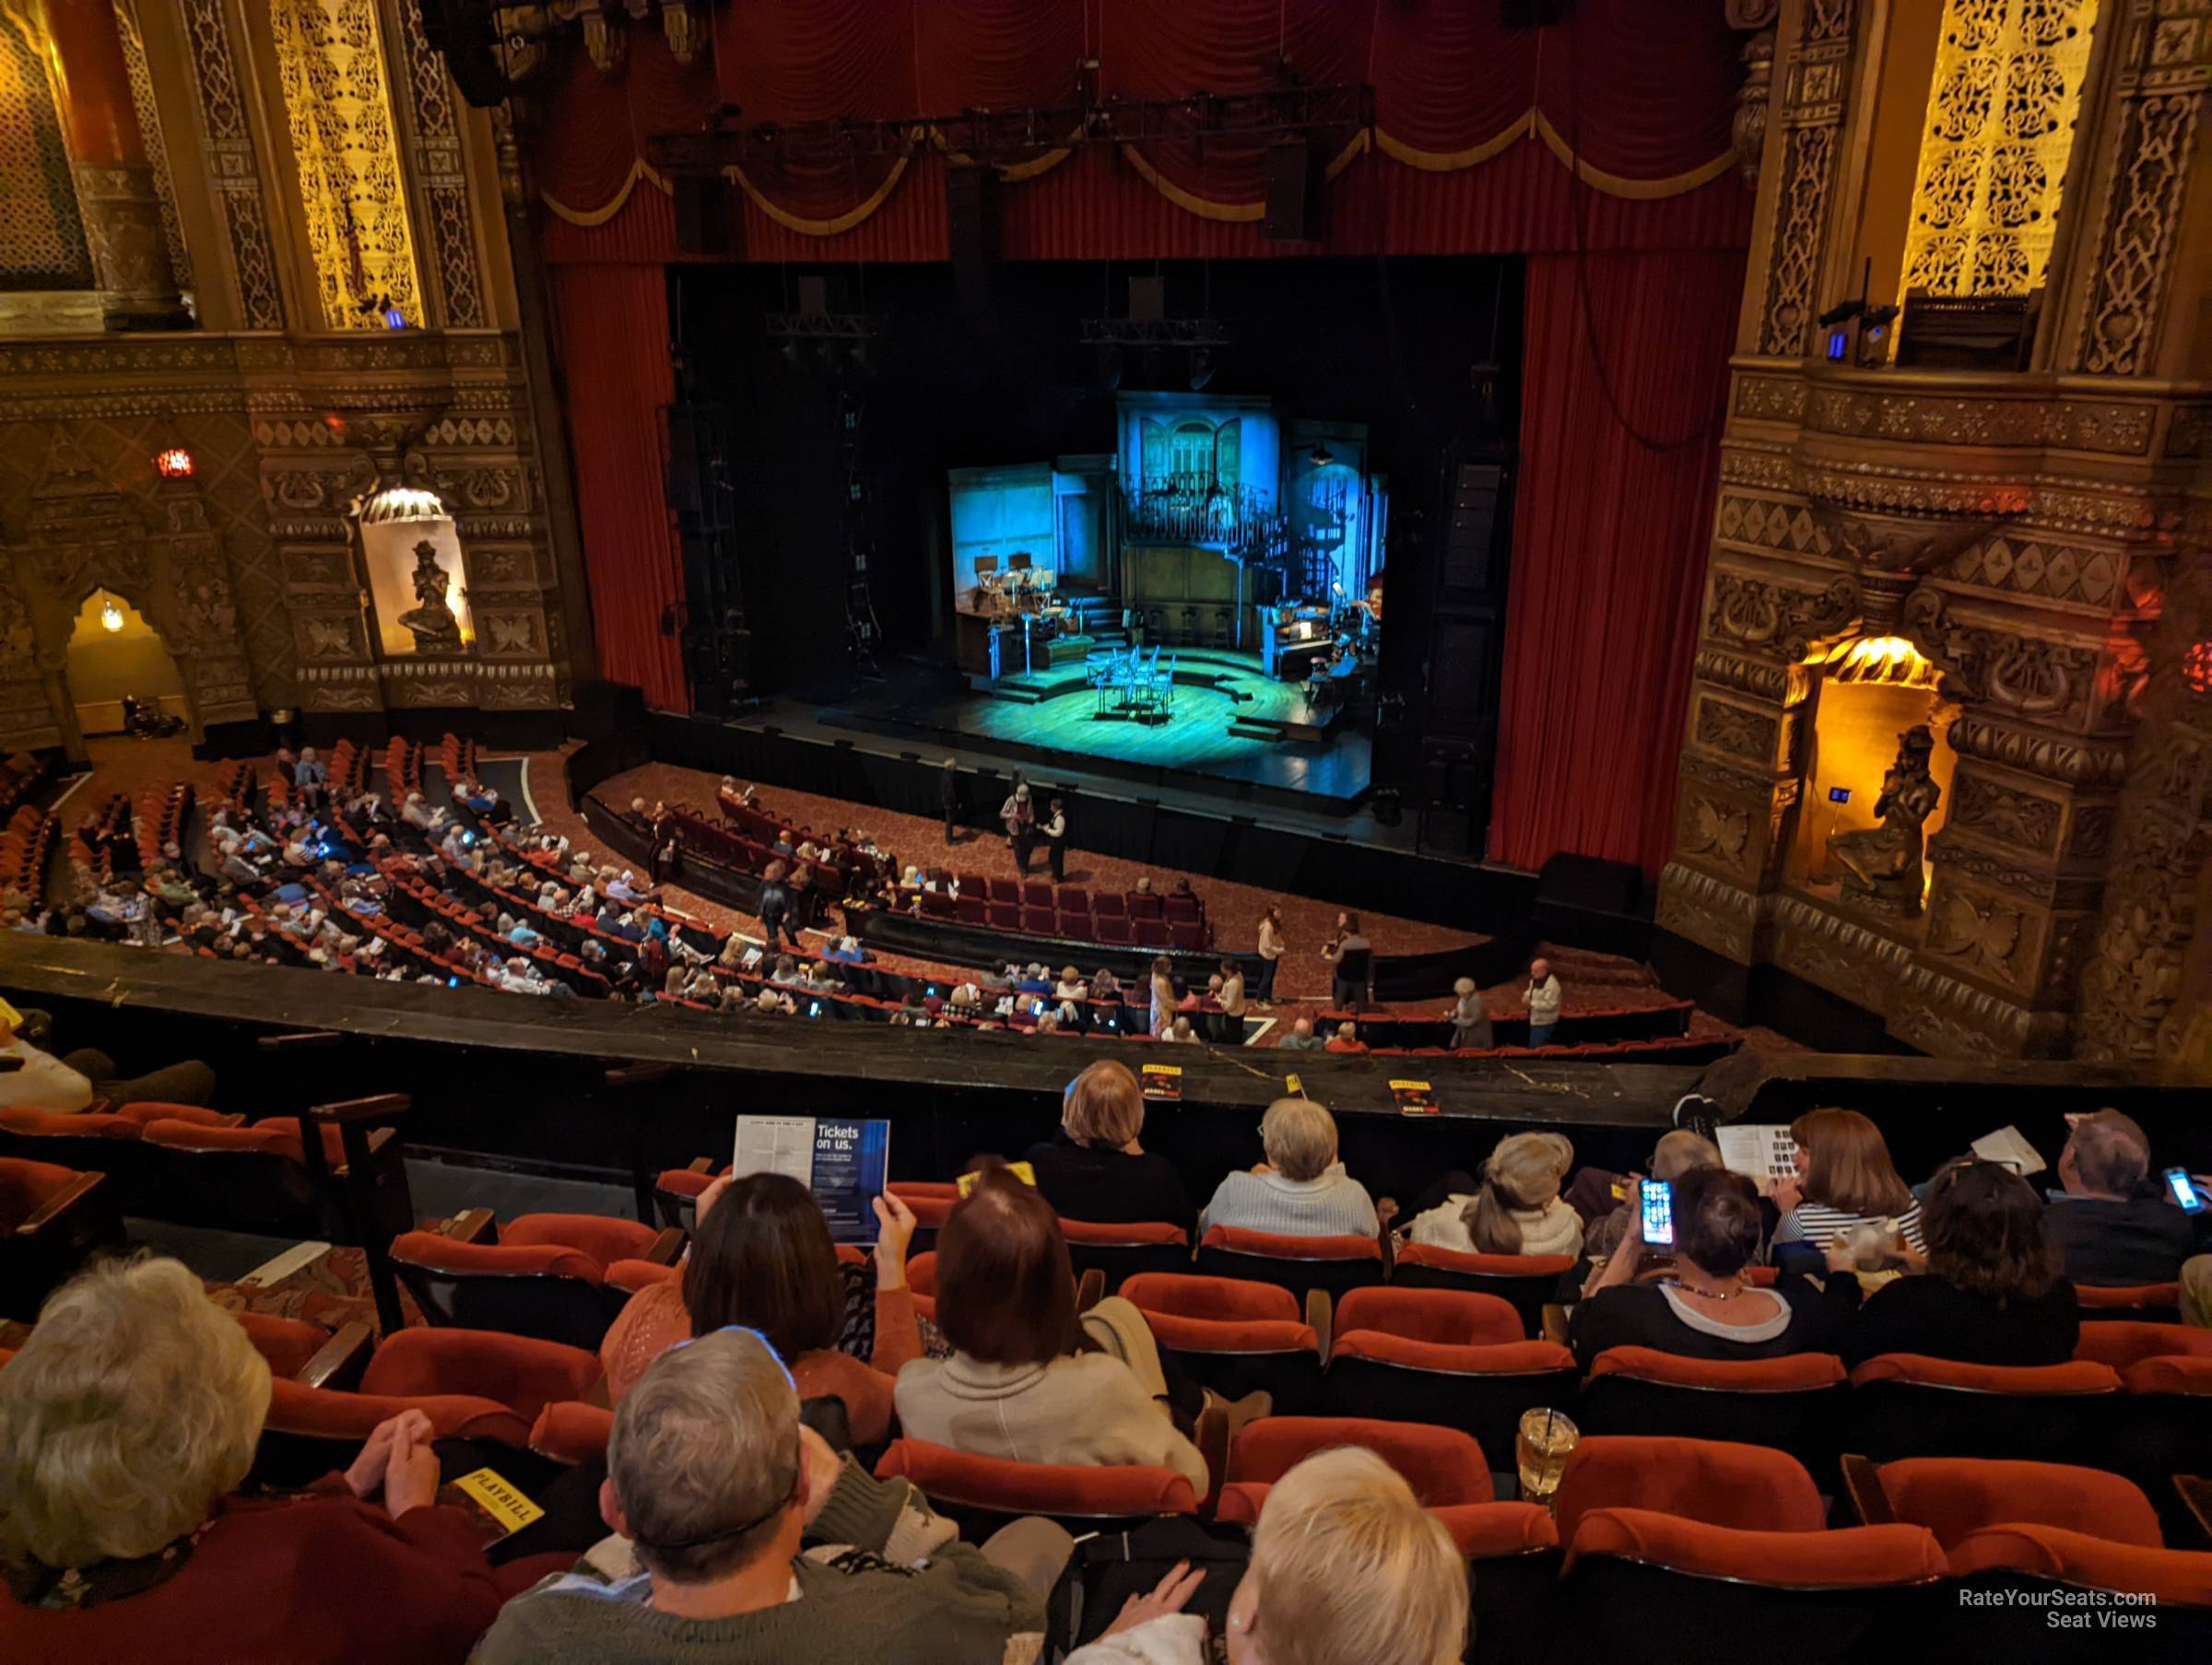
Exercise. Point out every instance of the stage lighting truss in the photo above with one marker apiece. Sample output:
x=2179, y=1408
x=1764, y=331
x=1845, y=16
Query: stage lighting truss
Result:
x=839, y=343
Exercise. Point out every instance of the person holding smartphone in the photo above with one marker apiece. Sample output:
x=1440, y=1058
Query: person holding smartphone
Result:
x=2114, y=1222
x=1705, y=1306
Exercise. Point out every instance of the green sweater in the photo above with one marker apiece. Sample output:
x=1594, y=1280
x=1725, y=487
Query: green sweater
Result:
x=858, y=1600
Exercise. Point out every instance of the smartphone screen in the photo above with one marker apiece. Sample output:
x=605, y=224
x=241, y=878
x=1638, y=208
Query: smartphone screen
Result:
x=2185, y=1189
x=1658, y=1205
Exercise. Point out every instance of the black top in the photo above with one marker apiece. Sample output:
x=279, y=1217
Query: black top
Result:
x=1353, y=958
x=2142, y=1240
x=1639, y=1314
x=1925, y=1314
x=948, y=790
x=1085, y=1182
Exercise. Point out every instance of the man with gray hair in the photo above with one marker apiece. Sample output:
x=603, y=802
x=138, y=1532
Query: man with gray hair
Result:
x=742, y=1536
x=2112, y=1223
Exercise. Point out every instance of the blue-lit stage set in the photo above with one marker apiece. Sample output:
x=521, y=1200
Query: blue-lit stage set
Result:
x=1208, y=596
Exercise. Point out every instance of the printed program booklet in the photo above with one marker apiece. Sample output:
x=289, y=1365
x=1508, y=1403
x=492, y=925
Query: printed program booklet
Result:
x=1415, y=1098
x=1163, y=1081
x=842, y=1161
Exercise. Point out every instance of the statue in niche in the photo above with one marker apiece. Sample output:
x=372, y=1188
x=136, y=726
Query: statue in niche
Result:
x=435, y=628
x=1881, y=866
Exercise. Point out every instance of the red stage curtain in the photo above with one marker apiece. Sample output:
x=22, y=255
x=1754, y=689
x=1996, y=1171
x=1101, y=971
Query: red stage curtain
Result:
x=613, y=328
x=1609, y=541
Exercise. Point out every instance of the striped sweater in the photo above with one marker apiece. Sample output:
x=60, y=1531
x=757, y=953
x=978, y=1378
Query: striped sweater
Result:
x=1821, y=1225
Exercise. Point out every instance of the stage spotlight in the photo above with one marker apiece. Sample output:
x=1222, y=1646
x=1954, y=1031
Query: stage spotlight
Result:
x=794, y=354
x=1322, y=455
x=1202, y=368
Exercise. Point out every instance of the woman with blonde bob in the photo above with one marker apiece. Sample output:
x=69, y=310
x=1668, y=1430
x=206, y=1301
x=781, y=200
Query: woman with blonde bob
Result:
x=1097, y=1171
x=1516, y=1209
x=1302, y=1190
x=1844, y=1182
x=128, y=1422
x=1347, y=1569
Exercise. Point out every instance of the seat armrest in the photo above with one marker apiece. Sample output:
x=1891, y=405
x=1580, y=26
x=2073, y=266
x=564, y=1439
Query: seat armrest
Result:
x=2196, y=1494
x=1090, y=1289
x=1555, y=1322
x=471, y=1225
x=665, y=1247
x=360, y=1109
x=339, y=1362
x=1321, y=1314
x=80, y=1186
x=699, y=1164
x=1862, y=1480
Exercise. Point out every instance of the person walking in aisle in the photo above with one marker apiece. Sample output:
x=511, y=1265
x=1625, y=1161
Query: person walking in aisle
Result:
x=1056, y=841
x=1544, y=995
x=1163, y=996
x=1470, y=1022
x=1352, y=961
x=949, y=794
x=1019, y=815
x=1271, y=951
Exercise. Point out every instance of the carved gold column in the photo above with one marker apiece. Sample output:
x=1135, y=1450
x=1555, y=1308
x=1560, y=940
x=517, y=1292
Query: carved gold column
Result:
x=114, y=178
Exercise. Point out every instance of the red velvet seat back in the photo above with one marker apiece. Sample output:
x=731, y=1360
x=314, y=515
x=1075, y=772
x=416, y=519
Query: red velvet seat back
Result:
x=144, y=1111
x=1442, y=1465
x=1487, y=1359
x=1792, y=1373
x=2190, y=1376
x=1954, y=1496
x=320, y=1414
x=1226, y=1300
x=1851, y=1558
x=1451, y=1318
x=1276, y=1246
x=2123, y=1342
x=26, y=1187
x=1482, y=1530
x=929, y=1201
x=1716, y=1481
x=602, y=1238
x=1484, y=1266
x=1027, y=1488
x=2131, y=1297
x=29, y=1123
x=436, y=1253
x=2074, y=1377
x=1105, y=1235
x=521, y=1372
x=287, y=1343
x=2175, y=1578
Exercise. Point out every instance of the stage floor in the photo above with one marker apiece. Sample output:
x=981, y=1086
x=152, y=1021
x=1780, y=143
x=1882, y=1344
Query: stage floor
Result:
x=1229, y=723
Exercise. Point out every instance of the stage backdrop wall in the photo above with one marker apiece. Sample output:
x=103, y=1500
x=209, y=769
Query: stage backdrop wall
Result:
x=1607, y=135
x=1610, y=547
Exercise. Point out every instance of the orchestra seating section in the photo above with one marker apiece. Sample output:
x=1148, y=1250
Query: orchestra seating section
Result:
x=26, y=847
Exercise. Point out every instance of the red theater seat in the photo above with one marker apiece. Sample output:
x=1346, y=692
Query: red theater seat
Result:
x=1794, y=1404
x=1235, y=1336
x=1441, y=1356
x=1443, y=1465
x=1333, y=1263
x=2121, y=1343
x=519, y=1371
x=2050, y=1554
x=1957, y=1496
x=977, y=1489
x=1716, y=1481
x=1905, y=1404
x=1123, y=1251
x=1524, y=1280
x=532, y=1283
x=2157, y=1303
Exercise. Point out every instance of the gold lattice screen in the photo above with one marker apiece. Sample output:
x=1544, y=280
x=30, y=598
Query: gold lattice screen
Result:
x=330, y=53
x=1992, y=156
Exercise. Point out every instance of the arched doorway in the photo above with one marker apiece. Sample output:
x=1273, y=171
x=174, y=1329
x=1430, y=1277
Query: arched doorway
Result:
x=115, y=654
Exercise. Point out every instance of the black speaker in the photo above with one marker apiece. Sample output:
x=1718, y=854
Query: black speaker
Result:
x=706, y=218
x=1294, y=196
x=971, y=229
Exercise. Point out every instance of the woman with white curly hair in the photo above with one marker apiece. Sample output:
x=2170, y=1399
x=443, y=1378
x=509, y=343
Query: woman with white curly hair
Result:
x=127, y=1422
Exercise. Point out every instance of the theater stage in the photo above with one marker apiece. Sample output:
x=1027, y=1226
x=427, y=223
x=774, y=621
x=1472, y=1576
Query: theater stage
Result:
x=1225, y=722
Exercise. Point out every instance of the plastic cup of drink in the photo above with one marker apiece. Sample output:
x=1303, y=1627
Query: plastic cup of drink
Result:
x=1540, y=1450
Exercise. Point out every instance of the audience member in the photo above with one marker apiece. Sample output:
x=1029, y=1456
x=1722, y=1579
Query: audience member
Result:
x=1271, y=949
x=127, y=1424
x=1515, y=1210
x=1347, y=1569
x=761, y=1258
x=1181, y=1032
x=1301, y=1190
x=1164, y=995
x=1347, y=1039
x=742, y=1536
x=1844, y=1180
x=1675, y=1154
x=2113, y=1221
x=1096, y=1170
x=1469, y=1020
x=1351, y=964
x=1993, y=1293
x=1543, y=995
x=1028, y=1380
x=1706, y=1309
x=1301, y=1038
x=73, y=1080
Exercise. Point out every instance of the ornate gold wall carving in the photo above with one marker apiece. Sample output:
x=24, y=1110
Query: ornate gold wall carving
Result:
x=434, y=154
x=1814, y=86
x=157, y=144
x=232, y=168
x=1994, y=145
x=330, y=60
x=41, y=237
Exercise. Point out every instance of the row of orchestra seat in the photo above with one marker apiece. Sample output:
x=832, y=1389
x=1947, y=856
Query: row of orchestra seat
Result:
x=162, y=814
x=26, y=847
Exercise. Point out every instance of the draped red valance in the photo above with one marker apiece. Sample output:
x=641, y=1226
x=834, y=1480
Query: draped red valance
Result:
x=1475, y=125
